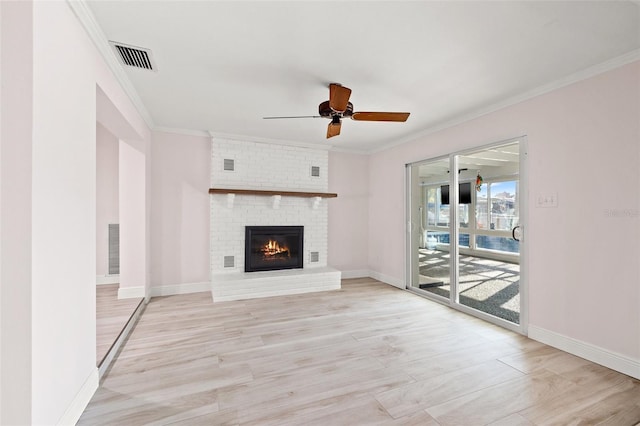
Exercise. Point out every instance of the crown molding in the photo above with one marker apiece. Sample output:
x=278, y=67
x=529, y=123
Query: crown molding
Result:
x=592, y=71
x=99, y=39
x=178, y=131
x=285, y=142
x=247, y=138
x=350, y=150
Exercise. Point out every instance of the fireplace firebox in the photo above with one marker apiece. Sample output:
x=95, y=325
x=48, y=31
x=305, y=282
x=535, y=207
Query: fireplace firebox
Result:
x=269, y=248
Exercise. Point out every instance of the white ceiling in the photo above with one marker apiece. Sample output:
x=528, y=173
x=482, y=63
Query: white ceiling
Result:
x=222, y=66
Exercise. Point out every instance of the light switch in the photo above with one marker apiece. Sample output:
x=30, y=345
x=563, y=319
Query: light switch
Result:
x=549, y=199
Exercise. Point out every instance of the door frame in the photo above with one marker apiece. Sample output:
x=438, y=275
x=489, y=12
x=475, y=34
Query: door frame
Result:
x=411, y=224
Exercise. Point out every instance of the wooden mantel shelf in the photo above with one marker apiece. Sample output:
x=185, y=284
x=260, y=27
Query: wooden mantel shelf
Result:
x=272, y=192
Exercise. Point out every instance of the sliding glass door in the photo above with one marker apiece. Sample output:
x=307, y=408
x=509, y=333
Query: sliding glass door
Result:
x=464, y=231
x=431, y=270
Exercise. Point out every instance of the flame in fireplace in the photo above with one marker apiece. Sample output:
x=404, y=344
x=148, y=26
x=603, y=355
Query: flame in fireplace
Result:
x=272, y=248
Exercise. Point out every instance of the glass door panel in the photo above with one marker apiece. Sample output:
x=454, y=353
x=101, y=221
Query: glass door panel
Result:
x=464, y=225
x=489, y=260
x=429, y=224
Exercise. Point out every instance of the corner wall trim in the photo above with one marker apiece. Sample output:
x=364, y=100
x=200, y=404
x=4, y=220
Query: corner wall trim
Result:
x=131, y=292
x=396, y=282
x=76, y=408
x=615, y=361
x=185, y=288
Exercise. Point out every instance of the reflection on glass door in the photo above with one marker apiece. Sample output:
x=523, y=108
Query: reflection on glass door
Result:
x=489, y=264
x=431, y=268
x=480, y=272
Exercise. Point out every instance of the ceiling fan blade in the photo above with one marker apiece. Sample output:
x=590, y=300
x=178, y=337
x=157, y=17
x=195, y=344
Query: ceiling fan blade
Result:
x=333, y=130
x=338, y=97
x=380, y=116
x=295, y=116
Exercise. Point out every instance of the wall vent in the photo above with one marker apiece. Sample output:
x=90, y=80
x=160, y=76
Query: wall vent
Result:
x=229, y=165
x=315, y=171
x=114, y=249
x=137, y=57
x=314, y=257
x=229, y=261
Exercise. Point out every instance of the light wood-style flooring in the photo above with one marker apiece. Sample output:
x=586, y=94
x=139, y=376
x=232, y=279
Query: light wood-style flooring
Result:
x=111, y=317
x=367, y=354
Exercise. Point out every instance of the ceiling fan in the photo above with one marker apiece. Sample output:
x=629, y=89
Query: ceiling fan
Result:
x=339, y=107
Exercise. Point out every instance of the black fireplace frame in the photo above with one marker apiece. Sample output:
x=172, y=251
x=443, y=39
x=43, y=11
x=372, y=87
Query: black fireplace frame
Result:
x=251, y=231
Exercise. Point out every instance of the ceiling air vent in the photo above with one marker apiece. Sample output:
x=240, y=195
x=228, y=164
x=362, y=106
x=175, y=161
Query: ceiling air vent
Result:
x=133, y=56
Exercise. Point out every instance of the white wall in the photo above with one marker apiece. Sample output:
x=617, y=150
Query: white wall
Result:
x=106, y=194
x=179, y=209
x=583, y=255
x=349, y=213
x=268, y=166
x=51, y=368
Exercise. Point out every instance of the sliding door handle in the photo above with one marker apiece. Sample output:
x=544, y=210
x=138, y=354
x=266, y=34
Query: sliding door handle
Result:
x=513, y=233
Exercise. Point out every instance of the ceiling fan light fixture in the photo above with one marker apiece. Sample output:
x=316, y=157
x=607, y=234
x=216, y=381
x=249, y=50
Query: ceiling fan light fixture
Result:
x=339, y=107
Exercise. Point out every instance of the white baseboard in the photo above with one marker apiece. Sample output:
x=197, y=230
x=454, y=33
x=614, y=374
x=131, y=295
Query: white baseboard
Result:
x=168, y=290
x=76, y=408
x=396, y=282
x=615, y=361
x=131, y=292
x=107, y=279
x=356, y=273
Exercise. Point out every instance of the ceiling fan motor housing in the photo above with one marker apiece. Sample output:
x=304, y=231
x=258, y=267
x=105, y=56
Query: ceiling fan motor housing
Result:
x=324, y=110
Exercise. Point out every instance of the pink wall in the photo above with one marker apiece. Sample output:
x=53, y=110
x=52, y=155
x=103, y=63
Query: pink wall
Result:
x=106, y=194
x=133, y=204
x=386, y=201
x=66, y=70
x=63, y=213
x=132, y=216
x=349, y=213
x=583, y=144
x=16, y=108
x=179, y=209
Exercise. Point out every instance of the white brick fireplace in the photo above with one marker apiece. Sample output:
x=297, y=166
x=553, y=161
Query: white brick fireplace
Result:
x=259, y=166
